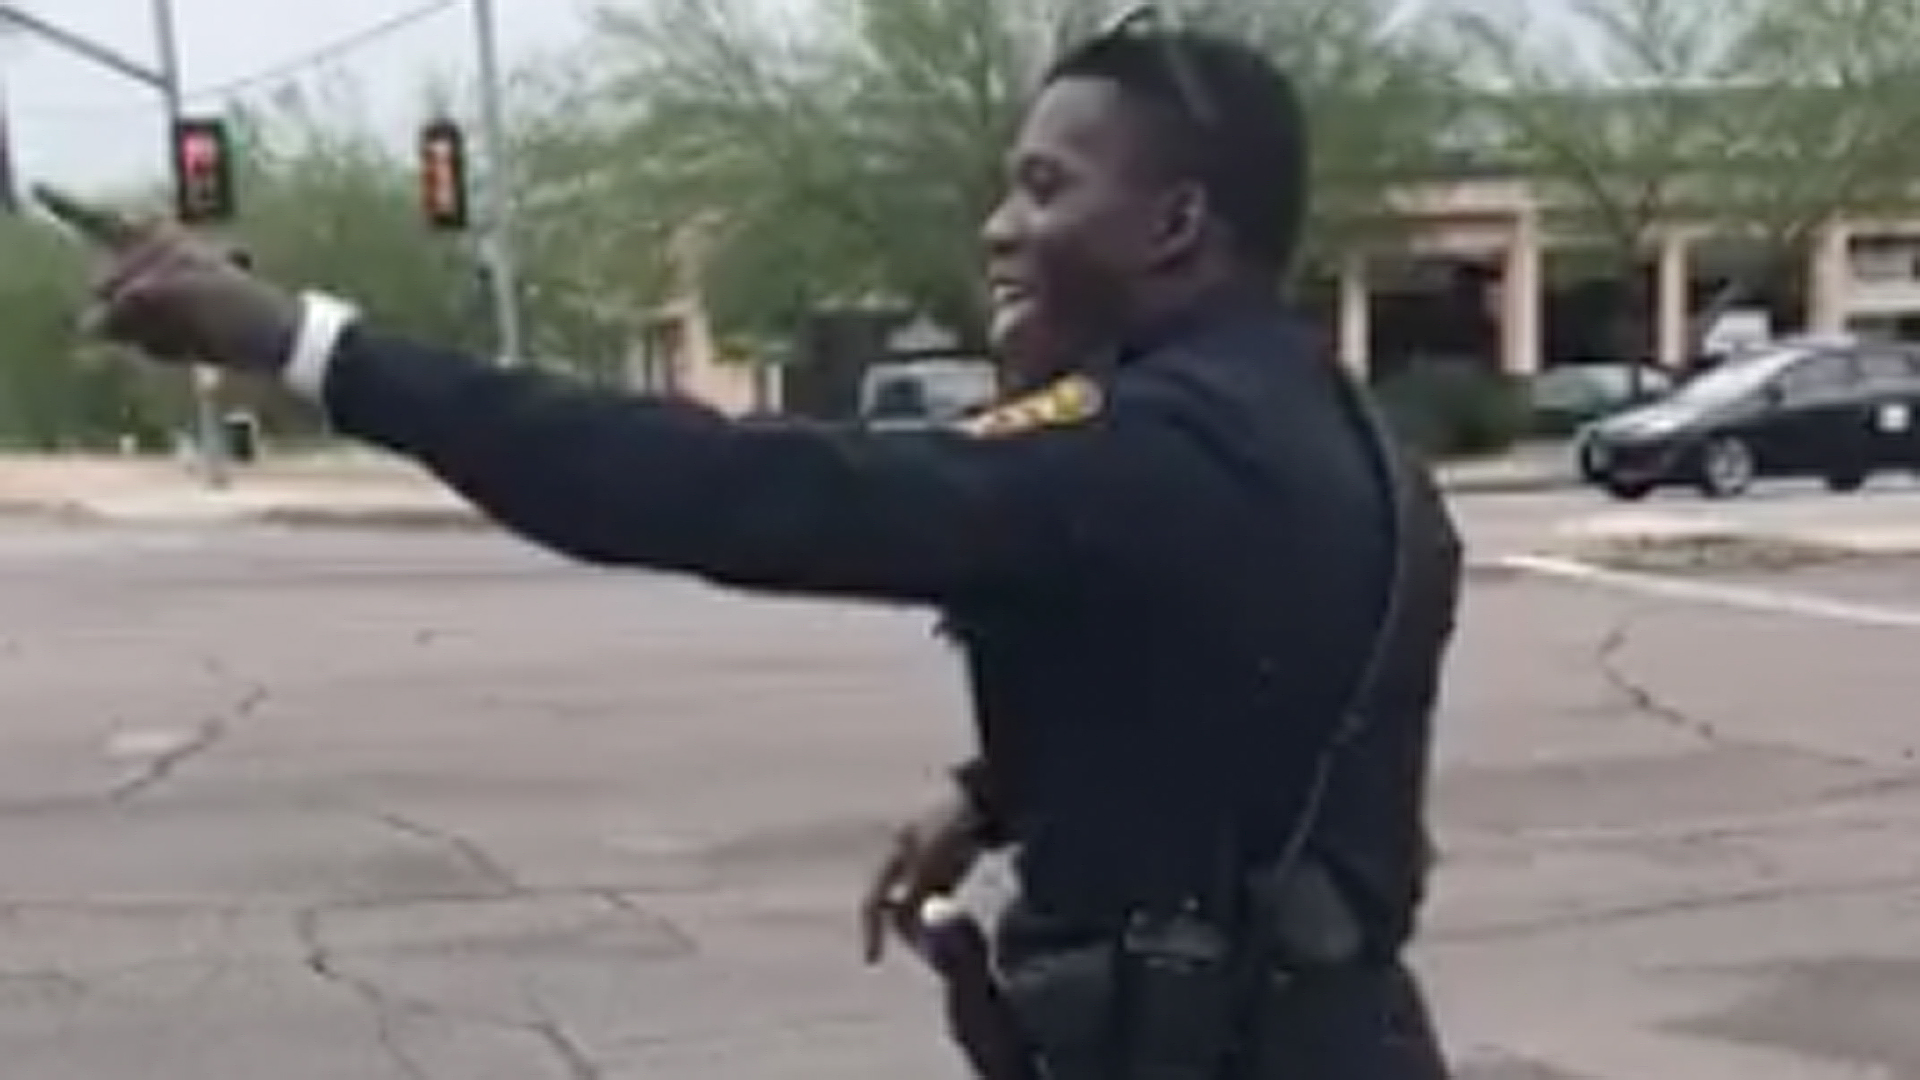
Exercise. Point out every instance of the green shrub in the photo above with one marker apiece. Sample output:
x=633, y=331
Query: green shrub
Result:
x=1450, y=409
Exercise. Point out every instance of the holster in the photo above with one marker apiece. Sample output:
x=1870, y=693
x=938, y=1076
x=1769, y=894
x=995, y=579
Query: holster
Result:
x=1170, y=998
x=1304, y=920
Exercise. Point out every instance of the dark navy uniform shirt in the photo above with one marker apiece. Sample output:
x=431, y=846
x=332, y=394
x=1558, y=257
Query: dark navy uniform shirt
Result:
x=1165, y=575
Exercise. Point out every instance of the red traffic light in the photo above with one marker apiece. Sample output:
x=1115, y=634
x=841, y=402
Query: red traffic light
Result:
x=443, y=175
x=202, y=171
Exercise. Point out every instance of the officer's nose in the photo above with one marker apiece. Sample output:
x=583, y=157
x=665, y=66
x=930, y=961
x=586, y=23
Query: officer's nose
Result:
x=1000, y=233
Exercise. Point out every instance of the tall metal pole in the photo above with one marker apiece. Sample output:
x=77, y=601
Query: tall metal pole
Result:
x=503, y=268
x=210, y=441
x=9, y=182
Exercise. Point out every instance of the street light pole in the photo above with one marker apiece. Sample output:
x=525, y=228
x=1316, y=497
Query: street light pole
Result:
x=498, y=245
x=12, y=17
x=164, y=77
x=211, y=440
x=166, y=40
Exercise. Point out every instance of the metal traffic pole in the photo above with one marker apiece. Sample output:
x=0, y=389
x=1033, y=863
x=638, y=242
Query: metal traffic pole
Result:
x=211, y=441
x=503, y=274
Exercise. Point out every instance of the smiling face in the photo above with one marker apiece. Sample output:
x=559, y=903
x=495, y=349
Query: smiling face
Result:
x=1087, y=227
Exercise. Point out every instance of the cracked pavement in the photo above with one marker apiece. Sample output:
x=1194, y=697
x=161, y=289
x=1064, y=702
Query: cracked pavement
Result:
x=423, y=807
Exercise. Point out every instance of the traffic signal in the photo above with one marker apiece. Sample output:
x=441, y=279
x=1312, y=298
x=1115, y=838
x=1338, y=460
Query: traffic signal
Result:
x=443, y=175
x=9, y=183
x=202, y=171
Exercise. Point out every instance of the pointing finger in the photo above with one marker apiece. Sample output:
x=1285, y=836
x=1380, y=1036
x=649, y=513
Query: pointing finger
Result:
x=107, y=228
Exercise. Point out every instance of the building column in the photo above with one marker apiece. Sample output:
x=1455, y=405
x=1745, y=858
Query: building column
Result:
x=1827, y=274
x=1671, y=314
x=1356, y=316
x=1520, y=299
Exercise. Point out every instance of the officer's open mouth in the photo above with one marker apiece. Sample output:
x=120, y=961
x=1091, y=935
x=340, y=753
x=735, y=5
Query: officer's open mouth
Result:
x=1007, y=293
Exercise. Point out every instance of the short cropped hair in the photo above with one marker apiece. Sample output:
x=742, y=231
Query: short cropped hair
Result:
x=1232, y=120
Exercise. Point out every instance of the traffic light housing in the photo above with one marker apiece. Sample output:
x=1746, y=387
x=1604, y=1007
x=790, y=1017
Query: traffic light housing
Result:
x=443, y=176
x=202, y=171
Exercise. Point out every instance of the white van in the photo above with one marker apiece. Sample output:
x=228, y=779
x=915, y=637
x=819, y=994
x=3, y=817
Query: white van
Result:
x=927, y=393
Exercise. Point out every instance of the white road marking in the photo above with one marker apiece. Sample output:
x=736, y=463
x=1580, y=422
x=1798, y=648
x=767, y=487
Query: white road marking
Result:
x=1746, y=597
x=145, y=743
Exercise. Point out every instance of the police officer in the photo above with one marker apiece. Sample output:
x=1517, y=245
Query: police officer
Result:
x=1170, y=565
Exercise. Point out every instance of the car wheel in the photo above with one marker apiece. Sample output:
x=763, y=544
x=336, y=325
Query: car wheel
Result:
x=1726, y=468
x=1843, y=483
x=1626, y=490
x=1587, y=462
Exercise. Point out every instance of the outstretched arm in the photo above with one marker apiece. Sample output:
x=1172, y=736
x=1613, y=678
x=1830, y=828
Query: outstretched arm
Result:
x=665, y=483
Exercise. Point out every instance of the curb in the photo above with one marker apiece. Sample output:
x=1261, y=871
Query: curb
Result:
x=419, y=518
x=1507, y=485
x=48, y=511
x=1708, y=551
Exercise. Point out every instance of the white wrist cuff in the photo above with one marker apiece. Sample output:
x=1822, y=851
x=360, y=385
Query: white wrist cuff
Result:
x=323, y=319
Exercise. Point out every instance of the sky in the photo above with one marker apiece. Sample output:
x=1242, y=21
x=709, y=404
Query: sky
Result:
x=76, y=124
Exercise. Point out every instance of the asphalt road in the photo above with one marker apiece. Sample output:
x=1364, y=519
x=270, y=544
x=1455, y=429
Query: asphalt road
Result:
x=319, y=806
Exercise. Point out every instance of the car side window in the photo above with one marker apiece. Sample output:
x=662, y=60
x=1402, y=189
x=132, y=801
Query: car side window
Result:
x=1890, y=372
x=1818, y=380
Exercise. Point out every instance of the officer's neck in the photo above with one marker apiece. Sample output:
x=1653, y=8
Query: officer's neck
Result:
x=1171, y=309
x=1155, y=317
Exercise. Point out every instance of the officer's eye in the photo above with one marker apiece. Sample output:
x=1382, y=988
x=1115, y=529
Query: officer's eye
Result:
x=1040, y=179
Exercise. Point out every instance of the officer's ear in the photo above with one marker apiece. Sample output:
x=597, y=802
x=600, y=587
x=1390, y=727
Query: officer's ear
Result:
x=1182, y=225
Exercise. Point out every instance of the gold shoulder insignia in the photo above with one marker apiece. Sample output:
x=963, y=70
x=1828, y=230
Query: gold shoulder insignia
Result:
x=1070, y=400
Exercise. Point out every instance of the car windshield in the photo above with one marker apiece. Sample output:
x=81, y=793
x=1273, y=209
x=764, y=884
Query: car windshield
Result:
x=1735, y=379
x=899, y=398
x=930, y=393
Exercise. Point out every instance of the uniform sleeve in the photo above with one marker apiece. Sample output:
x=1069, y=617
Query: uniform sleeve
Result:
x=668, y=484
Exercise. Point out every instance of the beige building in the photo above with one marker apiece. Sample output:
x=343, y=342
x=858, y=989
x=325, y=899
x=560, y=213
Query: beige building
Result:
x=1862, y=276
x=679, y=352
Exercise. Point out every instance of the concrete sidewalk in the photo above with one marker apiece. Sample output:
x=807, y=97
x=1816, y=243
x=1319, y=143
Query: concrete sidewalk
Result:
x=1755, y=536
x=366, y=489
x=324, y=490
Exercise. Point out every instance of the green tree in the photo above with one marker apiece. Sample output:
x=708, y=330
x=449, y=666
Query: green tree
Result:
x=53, y=393
x=1829, y=124
x=853, y=155
x=843, y=158
x=596, y=251
x=325, y=202
x=1760, y=120
x=1608, y=110
x=1382, y=98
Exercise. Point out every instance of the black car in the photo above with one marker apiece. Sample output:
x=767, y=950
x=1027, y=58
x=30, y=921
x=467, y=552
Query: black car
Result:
x=1567, y=397
x=1834, y=411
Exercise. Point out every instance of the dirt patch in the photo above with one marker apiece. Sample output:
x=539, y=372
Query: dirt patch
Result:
x=1708, y=553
